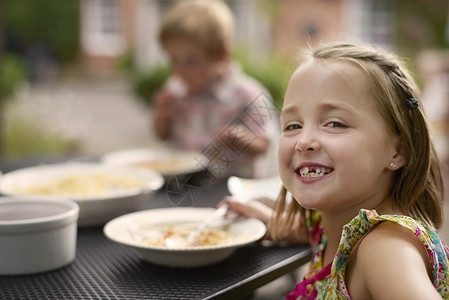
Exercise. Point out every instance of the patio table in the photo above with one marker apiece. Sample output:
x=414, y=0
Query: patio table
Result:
x=107, y=270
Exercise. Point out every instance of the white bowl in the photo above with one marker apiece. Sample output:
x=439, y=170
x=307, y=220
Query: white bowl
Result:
x=245, y=232
x=36, y=234
x=167, y=161
x=95, y=209
x=245, y=188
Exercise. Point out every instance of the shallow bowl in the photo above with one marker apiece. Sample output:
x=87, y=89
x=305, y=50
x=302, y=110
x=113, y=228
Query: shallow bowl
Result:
x=95, y=208
x=244, y=231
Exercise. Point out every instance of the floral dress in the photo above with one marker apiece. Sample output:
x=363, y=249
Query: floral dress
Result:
x=328, y=282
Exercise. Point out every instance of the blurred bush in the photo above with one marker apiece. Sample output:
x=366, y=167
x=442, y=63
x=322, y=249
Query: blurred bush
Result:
x=146, y=85
x=421, y=24
x=13, y=71
x=33, y=31
x=273, y=74
x=54, y=24
x=23, y=137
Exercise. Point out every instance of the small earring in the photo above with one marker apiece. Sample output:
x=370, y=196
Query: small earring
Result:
x=392, y=165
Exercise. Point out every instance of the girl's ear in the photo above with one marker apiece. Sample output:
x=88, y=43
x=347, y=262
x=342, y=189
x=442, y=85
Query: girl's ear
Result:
x=398, y=159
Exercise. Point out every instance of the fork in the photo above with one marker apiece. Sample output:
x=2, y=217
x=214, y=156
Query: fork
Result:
x=194, y=235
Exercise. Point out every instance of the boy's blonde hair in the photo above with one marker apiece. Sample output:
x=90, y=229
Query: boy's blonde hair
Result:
x=418, y=187
x=210, y=23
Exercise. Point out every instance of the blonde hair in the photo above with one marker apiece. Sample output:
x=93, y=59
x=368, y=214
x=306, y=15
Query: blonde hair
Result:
x=417, y=189
x=210, y=23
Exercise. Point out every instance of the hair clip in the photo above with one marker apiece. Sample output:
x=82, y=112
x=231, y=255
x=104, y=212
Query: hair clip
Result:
x=412, y=103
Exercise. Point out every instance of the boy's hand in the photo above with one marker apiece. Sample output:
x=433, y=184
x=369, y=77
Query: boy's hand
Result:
x=163, y=113
x=163, y=104
x=239, y=137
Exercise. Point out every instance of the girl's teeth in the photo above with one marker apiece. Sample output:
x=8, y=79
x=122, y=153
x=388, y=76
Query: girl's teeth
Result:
x=313, y=175
x=304, y=172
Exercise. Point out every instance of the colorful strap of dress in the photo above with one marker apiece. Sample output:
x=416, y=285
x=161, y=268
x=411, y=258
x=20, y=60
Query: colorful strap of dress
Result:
x=437, y=251
x=305, y=289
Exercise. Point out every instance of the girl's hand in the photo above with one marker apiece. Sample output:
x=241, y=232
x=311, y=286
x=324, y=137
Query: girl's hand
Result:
x=250, y=209
x=262, y=209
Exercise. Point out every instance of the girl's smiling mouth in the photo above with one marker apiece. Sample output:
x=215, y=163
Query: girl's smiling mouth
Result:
x=312, y=171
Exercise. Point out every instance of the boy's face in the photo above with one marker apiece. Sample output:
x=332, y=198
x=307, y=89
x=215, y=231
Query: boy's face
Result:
x=191, y=63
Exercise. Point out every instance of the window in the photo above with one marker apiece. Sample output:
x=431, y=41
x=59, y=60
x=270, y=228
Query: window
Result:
x=101, y=31
x=372, y=21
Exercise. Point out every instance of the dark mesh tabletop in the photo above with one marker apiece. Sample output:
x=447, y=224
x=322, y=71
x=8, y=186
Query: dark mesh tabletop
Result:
x=106, y=270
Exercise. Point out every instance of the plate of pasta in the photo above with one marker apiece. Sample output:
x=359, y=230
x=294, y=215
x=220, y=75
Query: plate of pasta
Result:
x=102, y=192
x=160, y=236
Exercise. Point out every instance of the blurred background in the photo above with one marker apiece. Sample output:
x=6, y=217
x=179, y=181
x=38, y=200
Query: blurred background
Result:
x=77, y=77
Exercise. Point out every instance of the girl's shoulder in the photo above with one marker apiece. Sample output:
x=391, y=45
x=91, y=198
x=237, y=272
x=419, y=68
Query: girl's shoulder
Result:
x=397, y=252
x=389, y=244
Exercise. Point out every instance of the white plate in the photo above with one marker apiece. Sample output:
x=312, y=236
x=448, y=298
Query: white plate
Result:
x=166, y=161
x=95, y=209
x=244, y=188
x=246, y=231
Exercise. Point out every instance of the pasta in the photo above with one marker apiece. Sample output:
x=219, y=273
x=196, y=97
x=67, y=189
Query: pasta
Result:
x=172, y=237
x=94, y=184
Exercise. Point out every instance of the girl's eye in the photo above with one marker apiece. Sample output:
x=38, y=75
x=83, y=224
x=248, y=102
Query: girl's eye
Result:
x=292, y=127
x=336, y=124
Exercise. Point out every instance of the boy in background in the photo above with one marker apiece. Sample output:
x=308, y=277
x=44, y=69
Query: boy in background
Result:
x=208, y=104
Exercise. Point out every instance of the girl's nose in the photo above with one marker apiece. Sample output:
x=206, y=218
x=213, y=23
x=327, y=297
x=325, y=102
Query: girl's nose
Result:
x=307, y=142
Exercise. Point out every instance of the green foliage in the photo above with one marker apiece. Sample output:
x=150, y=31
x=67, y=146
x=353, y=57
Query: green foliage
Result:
x=146, y=85
x=13, y=70
x=421, y=24
x=125, y=63
x=49, y=22
x=272, y=74
x=23, y=138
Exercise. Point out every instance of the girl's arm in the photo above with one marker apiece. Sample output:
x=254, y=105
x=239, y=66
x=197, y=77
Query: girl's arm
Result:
x=251, y=209
x=390, y=263
x=262, y=209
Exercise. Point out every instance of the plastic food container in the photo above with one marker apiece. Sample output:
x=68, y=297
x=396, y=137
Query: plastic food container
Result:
x=36, y=234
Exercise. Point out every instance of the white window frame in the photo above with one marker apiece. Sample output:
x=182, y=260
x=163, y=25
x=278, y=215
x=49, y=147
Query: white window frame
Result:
x=96, y=15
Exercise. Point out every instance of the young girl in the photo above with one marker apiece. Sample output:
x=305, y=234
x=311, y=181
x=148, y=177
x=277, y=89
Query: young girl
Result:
x=356, y=157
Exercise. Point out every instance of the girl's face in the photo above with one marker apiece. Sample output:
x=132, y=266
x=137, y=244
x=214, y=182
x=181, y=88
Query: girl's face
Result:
x=192, y=64
x=335, y=149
